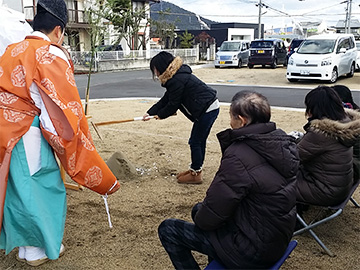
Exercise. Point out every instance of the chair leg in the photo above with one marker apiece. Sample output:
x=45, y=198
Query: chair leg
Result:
x=308, y=228
x=354, y=202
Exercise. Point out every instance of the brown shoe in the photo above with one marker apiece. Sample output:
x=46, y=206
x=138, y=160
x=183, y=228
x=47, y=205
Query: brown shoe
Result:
x=193, y=177
x=182, y=174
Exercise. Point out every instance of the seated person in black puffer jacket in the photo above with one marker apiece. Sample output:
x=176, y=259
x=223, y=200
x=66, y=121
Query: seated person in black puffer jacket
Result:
x=248, y=215
x=351, y=109
x=325, y=174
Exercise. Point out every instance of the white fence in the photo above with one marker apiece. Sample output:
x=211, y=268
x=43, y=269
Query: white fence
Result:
x=120, y=60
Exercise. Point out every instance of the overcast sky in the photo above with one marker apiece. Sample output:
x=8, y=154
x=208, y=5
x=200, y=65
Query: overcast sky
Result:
x=280, y=13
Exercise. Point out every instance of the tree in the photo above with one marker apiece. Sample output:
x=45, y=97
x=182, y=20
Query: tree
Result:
x=163, y=29
x=187, y=40
x=127, y=21
x=96, y=31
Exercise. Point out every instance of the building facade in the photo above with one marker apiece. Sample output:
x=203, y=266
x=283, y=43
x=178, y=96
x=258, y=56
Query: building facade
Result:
x=77, y=34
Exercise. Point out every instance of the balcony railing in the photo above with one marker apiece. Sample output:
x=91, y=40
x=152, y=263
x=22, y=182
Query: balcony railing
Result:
x=76, y=16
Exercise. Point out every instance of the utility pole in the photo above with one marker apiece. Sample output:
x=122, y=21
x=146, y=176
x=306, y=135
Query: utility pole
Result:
x=349, y=16
x=259, y=27
x=347, y=26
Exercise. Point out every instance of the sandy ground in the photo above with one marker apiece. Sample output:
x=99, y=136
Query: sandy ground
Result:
x=158, y=149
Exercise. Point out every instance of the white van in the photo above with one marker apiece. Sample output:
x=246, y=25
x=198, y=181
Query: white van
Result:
x=323, y=57
x=234, y=53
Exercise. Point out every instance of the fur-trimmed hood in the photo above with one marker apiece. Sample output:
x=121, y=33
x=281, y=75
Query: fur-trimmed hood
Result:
x=174, y=66
x=346, y=132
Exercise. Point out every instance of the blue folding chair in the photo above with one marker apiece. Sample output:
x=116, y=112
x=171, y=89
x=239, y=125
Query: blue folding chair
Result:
x=337, y=210
x=215, y=265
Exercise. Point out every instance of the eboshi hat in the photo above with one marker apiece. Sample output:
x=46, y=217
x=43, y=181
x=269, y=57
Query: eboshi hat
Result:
x=55, y=7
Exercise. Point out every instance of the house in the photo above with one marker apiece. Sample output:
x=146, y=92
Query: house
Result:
x=77, y=33
x=229, y=31
x=354, y=27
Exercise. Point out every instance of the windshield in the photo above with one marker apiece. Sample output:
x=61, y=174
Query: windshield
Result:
x=318, y=46
x=261, y=44
x=230, y=46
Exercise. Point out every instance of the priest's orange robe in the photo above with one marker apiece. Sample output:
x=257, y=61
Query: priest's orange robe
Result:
x=30, y=61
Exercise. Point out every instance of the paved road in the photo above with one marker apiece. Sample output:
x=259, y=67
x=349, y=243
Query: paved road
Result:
x=139, y=83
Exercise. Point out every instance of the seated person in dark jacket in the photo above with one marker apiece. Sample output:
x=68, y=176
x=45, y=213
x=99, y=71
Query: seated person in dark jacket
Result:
x=325, y=174
x=196, y=100
x=248, y=215
x=348, y=102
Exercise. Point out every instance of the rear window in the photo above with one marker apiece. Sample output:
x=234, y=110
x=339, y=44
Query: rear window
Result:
x=318, y=46
x=230, y=46
x=261, y=44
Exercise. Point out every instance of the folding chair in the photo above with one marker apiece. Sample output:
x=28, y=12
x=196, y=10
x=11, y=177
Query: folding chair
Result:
x=338, y=210
x=215, y=265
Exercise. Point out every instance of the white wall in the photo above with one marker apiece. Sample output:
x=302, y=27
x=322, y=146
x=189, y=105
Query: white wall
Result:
x=235, y=33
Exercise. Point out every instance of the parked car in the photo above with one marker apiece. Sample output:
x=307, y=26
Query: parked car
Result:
x=234, y=53
x=323, y=57
x=295, y=43
x=267, y=52
x=357, y=43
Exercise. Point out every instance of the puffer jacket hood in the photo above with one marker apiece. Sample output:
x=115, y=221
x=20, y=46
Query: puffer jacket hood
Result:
x=267, y=144
x=175, y=66
x=346, y=132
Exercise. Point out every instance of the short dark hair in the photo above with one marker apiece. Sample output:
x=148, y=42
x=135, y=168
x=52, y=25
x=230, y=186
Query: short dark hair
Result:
x=345, y=95
x=45, y=21
x=161, y=61
x=251, y=105
x=324, y=102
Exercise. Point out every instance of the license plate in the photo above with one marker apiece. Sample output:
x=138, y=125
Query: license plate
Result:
x=222, y=62
x=260, y=51
x=304, y=72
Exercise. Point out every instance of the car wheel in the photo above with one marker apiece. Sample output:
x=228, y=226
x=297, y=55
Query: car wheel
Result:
x=292, y=80
x=239, y=63
x=217, y=66
x=352, y=71
x=250, y=65
x=334, y=75
x=274, y=64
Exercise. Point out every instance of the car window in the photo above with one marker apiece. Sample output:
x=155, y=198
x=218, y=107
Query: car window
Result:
x=343, y=44
x=261, y=44
x=317, y=46
x=230, y=46
x=352, y=44
x=296, y=42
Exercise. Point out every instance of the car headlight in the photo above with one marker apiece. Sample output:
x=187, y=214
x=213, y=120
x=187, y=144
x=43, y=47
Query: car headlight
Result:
x=291, y=61
x=216, y=57
x=234, y=57
x=326, y=62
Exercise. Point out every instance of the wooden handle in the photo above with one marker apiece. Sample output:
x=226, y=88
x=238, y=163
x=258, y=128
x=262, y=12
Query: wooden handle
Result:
x=113, y=122
x=122, y=121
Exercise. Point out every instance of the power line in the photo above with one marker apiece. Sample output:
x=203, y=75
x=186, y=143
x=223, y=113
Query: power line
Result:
x=255, y=15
